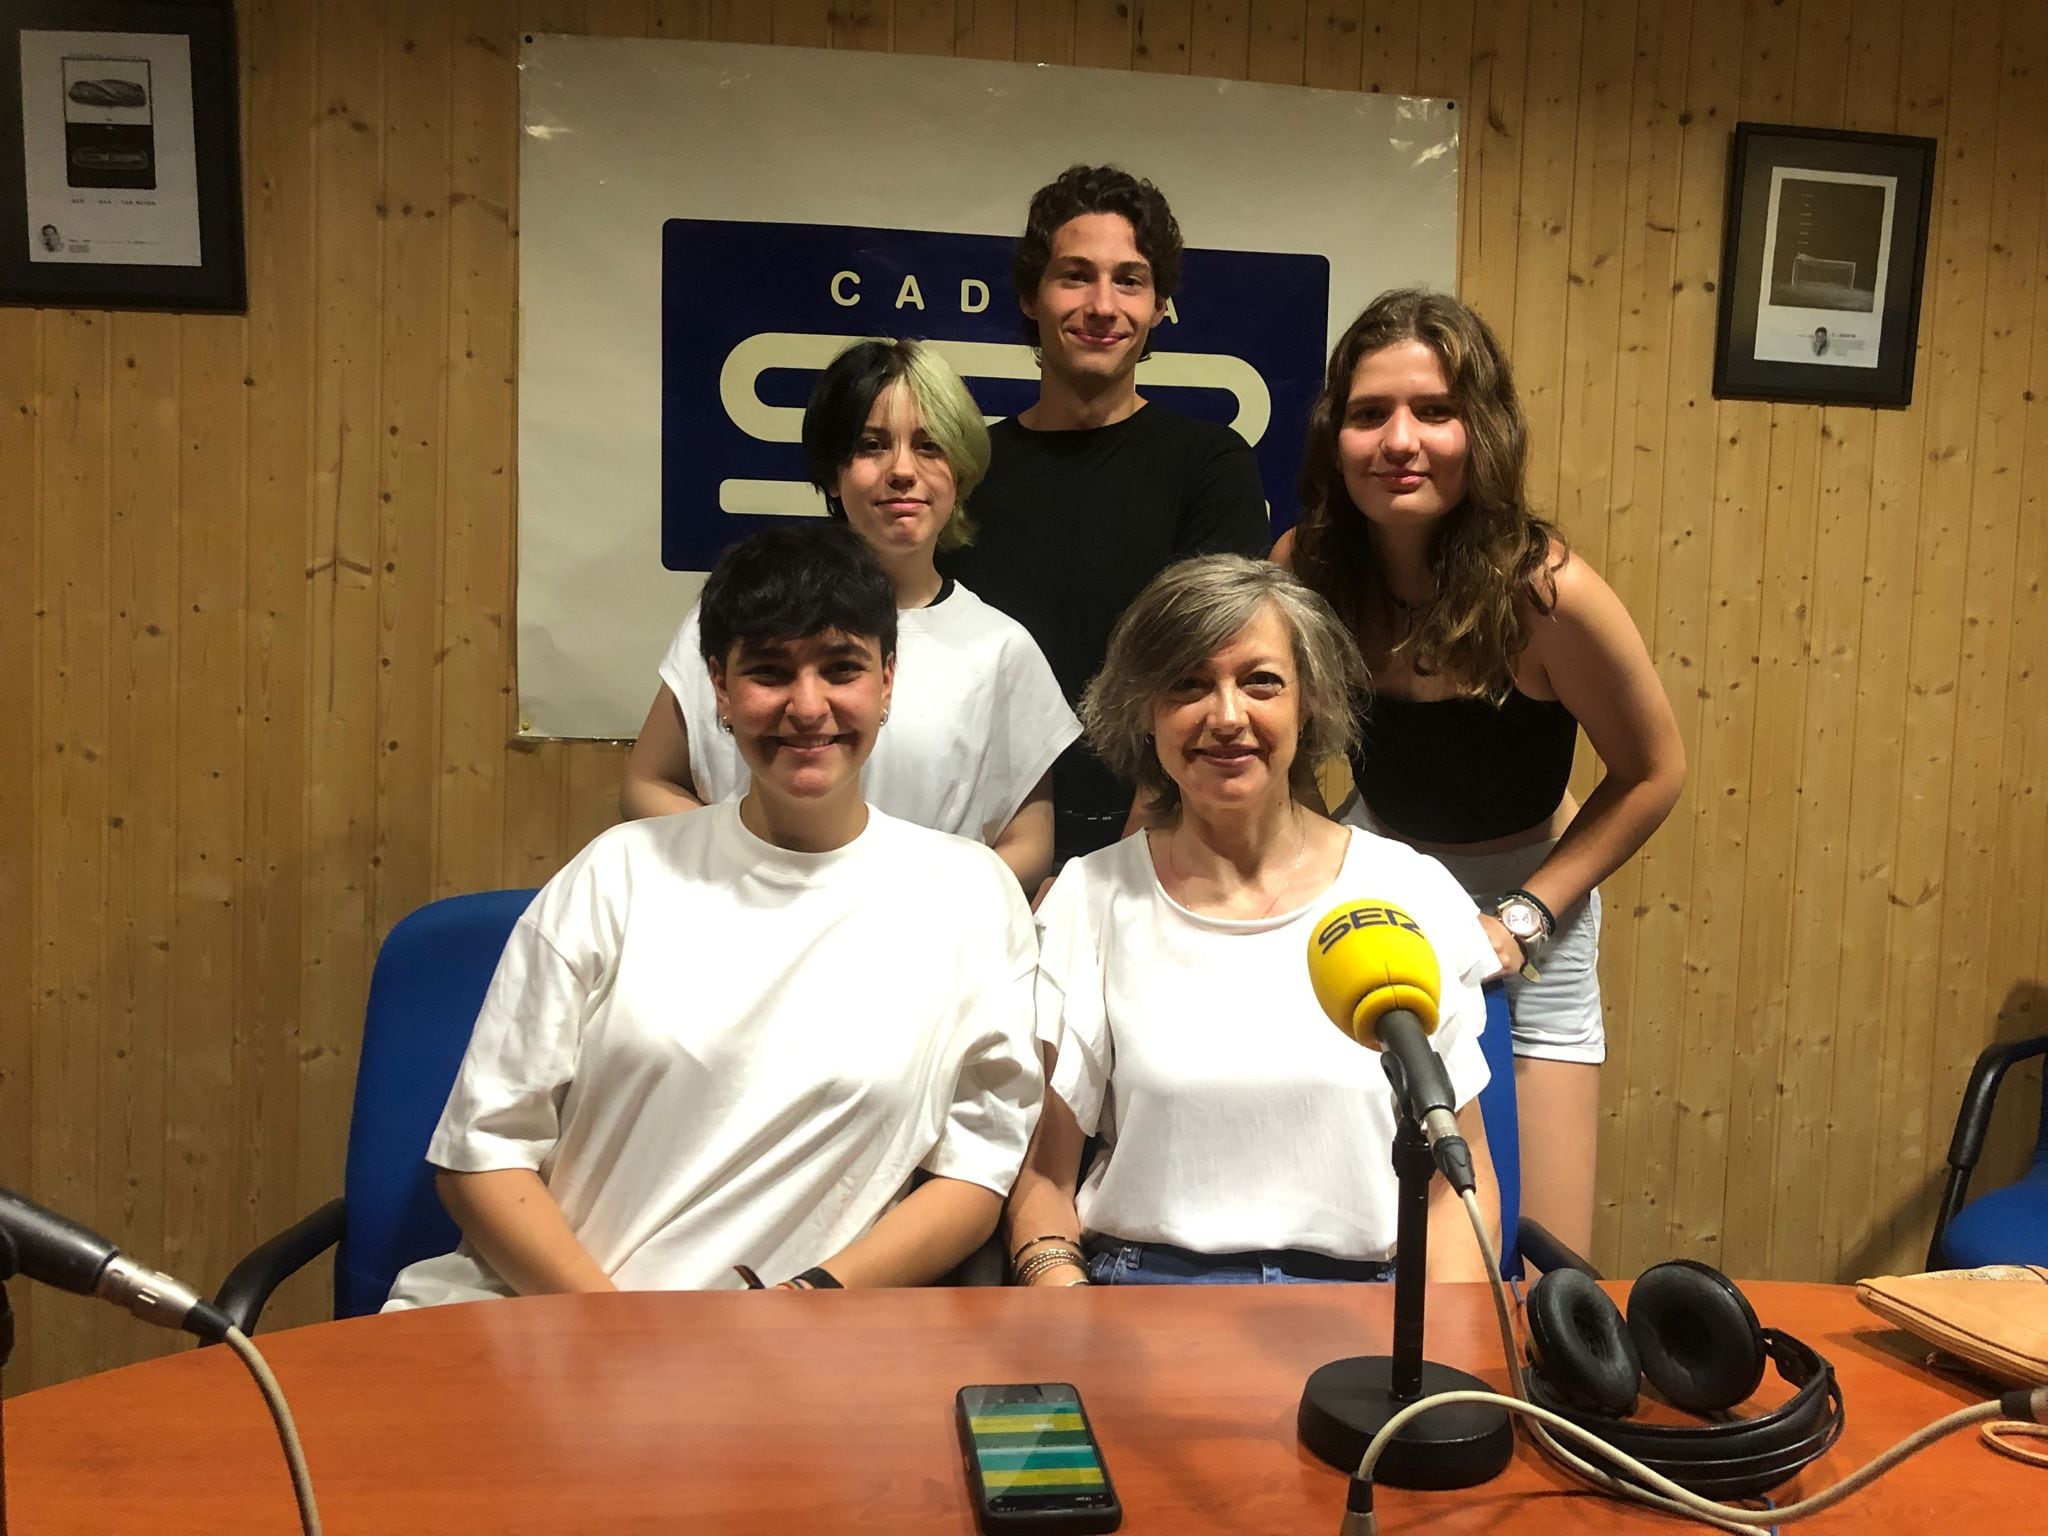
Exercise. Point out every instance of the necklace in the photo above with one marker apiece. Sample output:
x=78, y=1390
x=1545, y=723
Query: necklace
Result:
x=1287, y=884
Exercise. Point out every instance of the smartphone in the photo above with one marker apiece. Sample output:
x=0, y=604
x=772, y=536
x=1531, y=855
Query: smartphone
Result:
x=1032, y=1461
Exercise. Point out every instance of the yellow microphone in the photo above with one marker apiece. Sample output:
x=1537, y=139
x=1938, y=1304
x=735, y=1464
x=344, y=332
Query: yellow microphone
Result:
x=1375, y=974
x=1368, y=957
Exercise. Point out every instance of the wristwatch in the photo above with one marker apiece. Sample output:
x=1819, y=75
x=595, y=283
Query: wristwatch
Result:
x=1531, y=924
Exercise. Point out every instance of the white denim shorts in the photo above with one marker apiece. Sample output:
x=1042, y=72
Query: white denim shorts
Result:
x=1558, y=1017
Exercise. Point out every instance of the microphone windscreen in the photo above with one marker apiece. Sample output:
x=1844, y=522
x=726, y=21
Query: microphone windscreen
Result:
x=1367, y=957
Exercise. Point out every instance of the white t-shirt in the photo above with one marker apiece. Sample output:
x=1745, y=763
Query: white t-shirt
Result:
x=976, y=720
x=715, y=1051
x=1235, y=1115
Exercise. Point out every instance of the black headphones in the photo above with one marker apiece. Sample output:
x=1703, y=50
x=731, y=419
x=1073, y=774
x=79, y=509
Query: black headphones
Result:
x=1695, y=1339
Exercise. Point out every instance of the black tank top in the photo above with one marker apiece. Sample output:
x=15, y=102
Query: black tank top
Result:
x=1463, y=770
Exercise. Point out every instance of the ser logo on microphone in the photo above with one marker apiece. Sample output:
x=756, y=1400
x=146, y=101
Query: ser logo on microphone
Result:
x=1363, y=917
x=752, y=310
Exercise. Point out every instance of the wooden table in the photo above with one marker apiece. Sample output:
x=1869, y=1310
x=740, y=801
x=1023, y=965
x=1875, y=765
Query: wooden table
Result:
x=790, y=1412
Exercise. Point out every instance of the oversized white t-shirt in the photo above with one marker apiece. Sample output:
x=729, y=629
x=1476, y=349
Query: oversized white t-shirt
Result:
x=715, y=1051
x=976, y=720
x=1235, y=1115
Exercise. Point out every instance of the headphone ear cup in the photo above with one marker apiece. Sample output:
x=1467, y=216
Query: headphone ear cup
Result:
x=1580, y=1344
x=1696, y=1335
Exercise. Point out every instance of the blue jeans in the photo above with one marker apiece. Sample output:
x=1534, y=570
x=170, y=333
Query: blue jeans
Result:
x=1114, y=1262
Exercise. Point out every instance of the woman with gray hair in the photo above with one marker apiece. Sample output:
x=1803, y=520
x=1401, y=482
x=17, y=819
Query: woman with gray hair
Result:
x=1242, y=1138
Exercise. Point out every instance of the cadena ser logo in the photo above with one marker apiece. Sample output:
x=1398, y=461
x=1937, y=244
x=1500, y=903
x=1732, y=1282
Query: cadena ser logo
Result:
x=1376, y=916
x=751, y=312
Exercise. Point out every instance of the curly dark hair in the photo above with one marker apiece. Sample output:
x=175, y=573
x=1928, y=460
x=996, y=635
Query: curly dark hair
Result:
x=1096, y=189
x=1488, y=553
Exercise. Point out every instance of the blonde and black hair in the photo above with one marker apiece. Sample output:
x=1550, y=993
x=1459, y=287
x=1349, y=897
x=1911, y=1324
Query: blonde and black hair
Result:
x=1187, y=612
x=845, y=394
x=1488, y=553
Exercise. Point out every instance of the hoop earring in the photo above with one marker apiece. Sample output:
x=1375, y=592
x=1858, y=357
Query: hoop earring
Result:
x=725, y=725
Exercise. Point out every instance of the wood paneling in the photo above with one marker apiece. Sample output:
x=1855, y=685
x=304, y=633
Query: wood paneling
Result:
x=258, y=681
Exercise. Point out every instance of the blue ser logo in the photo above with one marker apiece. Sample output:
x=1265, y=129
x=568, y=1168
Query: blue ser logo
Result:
x=751, y=312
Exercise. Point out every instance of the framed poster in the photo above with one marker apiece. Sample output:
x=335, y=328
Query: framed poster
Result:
x=1822, y=259
x=120, y=186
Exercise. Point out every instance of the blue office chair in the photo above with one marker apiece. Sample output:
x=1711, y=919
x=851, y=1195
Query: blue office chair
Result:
x=425, y=994
x=1520, y=1238
x=2009, y=1225
x=1503, y=1124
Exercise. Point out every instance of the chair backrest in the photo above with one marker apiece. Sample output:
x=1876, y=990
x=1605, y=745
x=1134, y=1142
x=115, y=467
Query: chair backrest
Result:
x=1503, y=1124
x=429, y=984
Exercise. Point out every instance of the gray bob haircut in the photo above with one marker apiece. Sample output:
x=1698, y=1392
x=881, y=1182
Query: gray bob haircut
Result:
x=1187, y=612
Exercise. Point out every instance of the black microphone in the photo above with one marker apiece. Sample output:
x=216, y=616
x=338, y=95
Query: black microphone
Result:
x=58, y=1252
x=1423, y=1085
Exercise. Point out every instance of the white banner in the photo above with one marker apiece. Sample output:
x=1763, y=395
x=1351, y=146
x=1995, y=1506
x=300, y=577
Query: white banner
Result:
x=703, y=225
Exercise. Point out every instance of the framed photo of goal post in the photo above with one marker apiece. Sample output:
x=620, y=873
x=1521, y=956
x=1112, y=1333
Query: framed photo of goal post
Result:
x=1822, y=258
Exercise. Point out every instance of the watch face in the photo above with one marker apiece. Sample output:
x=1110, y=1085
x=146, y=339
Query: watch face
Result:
x=1520, y=919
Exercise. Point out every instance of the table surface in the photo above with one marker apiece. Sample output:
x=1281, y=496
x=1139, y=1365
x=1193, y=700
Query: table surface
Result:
x=784, y=1411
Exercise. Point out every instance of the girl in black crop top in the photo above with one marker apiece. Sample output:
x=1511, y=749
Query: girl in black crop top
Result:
x=1490, y=645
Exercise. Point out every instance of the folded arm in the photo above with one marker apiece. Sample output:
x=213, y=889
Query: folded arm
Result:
x=513, y=1222
x=921, y=1237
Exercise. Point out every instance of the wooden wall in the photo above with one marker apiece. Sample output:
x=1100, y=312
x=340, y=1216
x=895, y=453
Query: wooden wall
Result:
x=255, y=677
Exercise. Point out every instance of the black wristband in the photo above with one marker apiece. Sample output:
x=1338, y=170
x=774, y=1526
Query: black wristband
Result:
x=1549, y=917
x=821, y=1279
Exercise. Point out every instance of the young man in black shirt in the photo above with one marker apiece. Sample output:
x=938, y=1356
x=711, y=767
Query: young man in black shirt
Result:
x=1092, y=491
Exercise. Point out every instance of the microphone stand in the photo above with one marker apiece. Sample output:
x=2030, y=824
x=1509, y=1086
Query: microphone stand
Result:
x=1348, y=1401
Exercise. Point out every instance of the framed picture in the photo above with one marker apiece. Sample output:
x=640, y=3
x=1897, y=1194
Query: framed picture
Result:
x=1821, y=265
x=120, y=178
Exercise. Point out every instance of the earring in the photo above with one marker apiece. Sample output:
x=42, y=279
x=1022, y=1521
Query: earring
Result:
x=725, y=725
x=885, y=716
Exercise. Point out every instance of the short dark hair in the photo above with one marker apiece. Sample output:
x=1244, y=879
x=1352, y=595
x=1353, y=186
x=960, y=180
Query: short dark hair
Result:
x=791, y=583
x=1096, y=189
x=846, y=392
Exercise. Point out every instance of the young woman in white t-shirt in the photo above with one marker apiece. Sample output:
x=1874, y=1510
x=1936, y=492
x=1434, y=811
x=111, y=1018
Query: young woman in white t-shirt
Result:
x=896, y=444
x=716, y=1040
x=1243, y=1138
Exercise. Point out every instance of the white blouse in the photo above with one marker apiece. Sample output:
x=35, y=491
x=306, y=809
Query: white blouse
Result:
x=1235, y=1116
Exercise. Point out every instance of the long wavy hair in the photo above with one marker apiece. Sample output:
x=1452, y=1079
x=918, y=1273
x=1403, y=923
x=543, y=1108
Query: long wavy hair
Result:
x=1487, y=553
